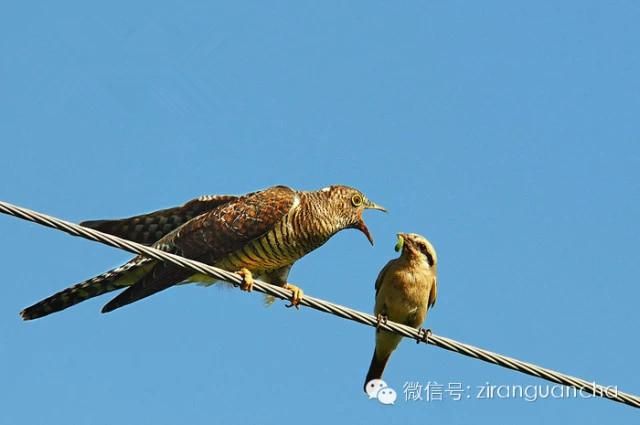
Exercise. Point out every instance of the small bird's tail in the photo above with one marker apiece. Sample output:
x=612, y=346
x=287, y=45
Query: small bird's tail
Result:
x=117, y=278
x=376, y=368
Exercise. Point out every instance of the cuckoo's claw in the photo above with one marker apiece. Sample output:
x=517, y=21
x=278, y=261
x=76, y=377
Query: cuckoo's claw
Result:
x=380, y=319
x=247, y=279
x=295, y=298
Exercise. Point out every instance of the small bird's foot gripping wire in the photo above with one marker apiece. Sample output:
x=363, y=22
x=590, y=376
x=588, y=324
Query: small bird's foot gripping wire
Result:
x=295, y=297
x=381, y=319
x=424, y=335
x=247, y=279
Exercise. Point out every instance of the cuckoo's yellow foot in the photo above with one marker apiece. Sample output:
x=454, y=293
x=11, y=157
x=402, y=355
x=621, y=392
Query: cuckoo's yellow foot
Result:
x=247, y=279
x=405, y=289
x=264, y=232
x=296, y=296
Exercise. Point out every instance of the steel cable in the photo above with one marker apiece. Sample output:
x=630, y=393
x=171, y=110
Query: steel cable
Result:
x=420, y=335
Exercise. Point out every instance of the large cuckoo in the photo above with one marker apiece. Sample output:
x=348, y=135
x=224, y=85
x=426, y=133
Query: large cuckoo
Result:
x=405, y=289
x=261, y=233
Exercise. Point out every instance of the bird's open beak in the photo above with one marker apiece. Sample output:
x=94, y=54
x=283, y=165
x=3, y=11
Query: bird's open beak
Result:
x=361, y=225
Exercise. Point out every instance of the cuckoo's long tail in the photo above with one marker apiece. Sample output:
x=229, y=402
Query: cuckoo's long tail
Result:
x=117, y=278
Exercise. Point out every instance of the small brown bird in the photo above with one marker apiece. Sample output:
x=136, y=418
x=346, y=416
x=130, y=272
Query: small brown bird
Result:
x=261, y=233
x=405, y=289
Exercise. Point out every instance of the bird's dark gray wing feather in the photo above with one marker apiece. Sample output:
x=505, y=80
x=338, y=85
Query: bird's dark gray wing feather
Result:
x=151, y=227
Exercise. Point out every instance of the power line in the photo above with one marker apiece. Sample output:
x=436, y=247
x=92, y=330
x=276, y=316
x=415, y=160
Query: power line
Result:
x=420, y=335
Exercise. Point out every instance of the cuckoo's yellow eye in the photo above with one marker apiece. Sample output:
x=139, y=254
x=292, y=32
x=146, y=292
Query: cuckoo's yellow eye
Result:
x=356, y=200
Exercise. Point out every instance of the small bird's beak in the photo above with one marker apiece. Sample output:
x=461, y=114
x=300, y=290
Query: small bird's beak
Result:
x=373, y=206
x=400, y=243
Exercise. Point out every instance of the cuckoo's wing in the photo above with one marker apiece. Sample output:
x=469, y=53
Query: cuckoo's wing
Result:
x=149, y=228
x=210, y=237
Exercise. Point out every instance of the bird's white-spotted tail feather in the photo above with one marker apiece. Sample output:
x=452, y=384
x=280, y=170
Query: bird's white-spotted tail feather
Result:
x=120, y=277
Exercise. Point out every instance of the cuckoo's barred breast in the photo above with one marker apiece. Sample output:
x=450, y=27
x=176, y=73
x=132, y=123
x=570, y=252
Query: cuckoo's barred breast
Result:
x=289, y=240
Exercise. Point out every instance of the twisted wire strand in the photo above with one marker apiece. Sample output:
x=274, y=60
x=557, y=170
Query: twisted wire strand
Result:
x=420, y=335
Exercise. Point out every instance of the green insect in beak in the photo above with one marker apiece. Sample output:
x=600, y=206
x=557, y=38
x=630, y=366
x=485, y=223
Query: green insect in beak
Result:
x=400, y=243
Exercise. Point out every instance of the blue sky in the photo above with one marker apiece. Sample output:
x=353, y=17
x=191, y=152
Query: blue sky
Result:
x=505, y=132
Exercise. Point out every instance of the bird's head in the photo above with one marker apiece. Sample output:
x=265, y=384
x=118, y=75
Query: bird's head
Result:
x=348, y=204
x=415, y=246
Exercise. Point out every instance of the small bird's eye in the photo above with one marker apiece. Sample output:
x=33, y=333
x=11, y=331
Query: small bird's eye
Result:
x=356, y=200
